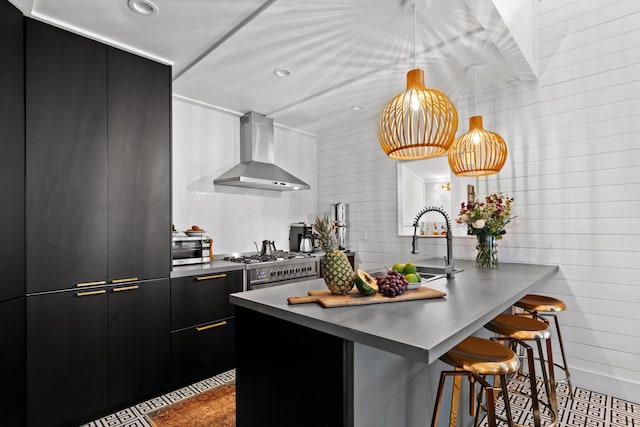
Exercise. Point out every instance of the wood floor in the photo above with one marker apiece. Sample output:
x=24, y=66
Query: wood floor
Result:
x=135, y=415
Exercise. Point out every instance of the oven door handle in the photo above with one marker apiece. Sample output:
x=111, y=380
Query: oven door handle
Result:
x=252, y=287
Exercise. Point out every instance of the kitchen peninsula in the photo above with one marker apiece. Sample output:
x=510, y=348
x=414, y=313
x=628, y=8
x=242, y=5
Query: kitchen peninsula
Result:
x=372, y=365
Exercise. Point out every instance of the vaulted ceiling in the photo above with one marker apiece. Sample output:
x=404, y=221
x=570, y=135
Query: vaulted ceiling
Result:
x=341, y=53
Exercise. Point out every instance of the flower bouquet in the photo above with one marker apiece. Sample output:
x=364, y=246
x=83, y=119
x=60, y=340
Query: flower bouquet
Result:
x=487, y=221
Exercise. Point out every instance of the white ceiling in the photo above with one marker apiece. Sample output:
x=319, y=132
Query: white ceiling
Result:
x=341, y=52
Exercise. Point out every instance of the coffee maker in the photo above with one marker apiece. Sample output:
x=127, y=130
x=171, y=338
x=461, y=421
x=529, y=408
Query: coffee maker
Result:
x=301, y=237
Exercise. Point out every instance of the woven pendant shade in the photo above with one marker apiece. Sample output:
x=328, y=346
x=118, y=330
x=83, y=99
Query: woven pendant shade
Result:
x=418, y=123
x=478, y=152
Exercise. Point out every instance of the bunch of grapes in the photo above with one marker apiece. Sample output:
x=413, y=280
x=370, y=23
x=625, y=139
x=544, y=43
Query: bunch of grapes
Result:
x=392, y=284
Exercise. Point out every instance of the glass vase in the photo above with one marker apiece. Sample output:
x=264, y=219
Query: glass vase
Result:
x=486, y=252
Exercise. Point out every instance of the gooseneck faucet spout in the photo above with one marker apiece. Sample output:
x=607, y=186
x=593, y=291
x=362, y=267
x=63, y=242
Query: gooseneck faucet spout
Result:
x=448, y=268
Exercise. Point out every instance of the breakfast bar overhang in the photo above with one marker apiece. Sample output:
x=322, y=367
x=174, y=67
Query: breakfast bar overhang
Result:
x=371, y=365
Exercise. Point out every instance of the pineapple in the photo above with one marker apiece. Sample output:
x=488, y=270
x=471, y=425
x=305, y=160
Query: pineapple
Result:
x=336, y=269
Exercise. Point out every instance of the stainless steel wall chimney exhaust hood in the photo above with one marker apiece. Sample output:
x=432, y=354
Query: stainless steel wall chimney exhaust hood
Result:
x=257, y=152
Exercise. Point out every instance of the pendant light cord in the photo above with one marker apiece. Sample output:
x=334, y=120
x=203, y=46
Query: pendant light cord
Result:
x=475, y=90
x=414, y=37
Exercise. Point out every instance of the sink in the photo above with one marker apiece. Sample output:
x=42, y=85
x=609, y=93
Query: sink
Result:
x=427, y=276
x=438, y=271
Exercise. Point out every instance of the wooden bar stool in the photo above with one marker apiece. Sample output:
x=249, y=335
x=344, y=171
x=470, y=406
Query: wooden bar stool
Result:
x=539, y=306
x=475, y=358
x=517, y=330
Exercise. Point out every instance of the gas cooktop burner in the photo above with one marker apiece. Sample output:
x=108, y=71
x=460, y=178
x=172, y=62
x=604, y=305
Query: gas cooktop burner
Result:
x=278, y=256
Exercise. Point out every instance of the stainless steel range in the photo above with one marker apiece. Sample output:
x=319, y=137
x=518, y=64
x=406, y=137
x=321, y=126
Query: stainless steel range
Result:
x=277, y=269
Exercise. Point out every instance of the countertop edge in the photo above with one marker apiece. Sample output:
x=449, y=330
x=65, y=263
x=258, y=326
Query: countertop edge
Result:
x=404, y=348
x=335, y=330
x=473, y=327
x=209, y=268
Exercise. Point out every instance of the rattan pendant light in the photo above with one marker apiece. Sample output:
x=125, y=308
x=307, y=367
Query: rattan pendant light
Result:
x=478, y=152
x=418, y=123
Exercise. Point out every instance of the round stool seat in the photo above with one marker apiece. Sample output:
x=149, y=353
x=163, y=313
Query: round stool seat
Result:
x=482, y=357
x=540, y=303
x=519, y=327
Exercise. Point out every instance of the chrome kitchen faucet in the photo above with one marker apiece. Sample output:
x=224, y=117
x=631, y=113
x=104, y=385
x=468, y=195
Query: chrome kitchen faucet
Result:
x=448, y=260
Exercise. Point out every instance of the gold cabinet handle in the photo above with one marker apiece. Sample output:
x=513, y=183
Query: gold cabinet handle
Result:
x=126, y=288
x=128, y=279
x=99, y=282
x=86, y=294
x=213, y=325
x=215, y=276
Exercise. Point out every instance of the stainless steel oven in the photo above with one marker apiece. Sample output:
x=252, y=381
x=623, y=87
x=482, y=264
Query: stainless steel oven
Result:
x=278, y=269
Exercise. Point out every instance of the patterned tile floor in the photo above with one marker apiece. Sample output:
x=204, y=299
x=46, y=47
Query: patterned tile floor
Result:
x=135, y=415
x=587, y=409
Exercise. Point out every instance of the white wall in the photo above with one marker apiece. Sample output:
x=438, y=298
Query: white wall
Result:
x=205, y=145
x=520, y=16
x=411, y=199
x=573, y=168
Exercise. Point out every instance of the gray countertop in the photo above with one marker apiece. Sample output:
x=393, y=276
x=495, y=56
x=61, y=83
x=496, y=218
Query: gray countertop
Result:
x=214, y=266
x=421, y=330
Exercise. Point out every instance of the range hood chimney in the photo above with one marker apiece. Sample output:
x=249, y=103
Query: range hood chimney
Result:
x=257, y=152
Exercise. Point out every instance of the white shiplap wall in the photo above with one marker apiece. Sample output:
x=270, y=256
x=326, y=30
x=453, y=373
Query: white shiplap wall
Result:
x=573, y=168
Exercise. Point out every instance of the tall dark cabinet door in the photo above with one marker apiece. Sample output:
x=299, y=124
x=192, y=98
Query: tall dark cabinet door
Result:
x=139, y=167
x=66, y=206
x=12, y=158
x=67, y=356
x=12, y=365
x=139, y=340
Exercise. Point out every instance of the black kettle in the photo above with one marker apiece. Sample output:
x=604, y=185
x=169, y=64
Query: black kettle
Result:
x=268, y=247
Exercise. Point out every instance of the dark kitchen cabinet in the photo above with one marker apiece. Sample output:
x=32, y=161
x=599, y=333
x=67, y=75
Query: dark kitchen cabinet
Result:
x=95, y=348
x=12, y=363
x=200, y=351
x=66, y=158
x=12, y=264
x=203, y=298
x=203, y=324
x=139, y=182
x=67, y=352
x=98, y=164
x=139, y=340
x=12, y=158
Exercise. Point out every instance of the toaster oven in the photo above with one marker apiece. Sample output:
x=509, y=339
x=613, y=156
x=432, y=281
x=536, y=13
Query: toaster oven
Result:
x=191, y=250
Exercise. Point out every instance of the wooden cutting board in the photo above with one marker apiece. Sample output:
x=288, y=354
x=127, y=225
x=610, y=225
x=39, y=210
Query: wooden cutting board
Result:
x=326, y=299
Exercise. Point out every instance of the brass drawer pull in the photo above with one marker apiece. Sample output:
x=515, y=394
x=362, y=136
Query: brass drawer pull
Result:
x=128, y=279
x=99, y=282
x=86, y=294
x=126, y=288
x=213, y=325
x=215, y=276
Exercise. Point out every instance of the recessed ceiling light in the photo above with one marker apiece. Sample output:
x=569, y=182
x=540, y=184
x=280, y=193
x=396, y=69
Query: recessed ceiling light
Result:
x=282, y=72
x=357, y=108
x=143, y=7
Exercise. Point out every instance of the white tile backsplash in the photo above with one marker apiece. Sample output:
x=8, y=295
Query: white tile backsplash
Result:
x=205, y=145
